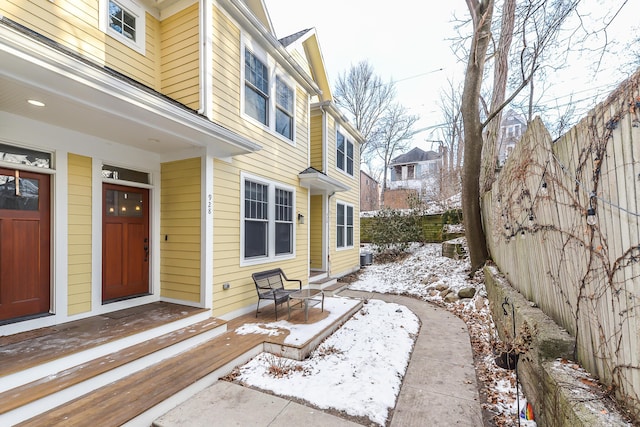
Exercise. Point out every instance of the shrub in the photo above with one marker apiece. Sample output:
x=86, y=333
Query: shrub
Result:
x=393, y=231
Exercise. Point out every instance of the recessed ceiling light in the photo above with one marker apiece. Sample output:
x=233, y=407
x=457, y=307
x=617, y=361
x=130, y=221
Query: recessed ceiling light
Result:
x=35, y=102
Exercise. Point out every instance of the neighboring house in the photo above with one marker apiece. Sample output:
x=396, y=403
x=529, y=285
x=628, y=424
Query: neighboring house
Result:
x=416, y=170
x=161, y=150
x=369, y=193
x=512, y=127
x=399, y=198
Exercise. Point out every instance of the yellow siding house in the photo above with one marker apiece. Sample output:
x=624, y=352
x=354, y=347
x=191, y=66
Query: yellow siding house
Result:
x=164, y=151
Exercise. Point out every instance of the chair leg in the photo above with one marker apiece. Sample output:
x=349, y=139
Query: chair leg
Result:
x=257, y=308
x=275, y=305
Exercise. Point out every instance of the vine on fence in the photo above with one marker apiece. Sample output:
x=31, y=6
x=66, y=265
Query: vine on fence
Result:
x=593, y=267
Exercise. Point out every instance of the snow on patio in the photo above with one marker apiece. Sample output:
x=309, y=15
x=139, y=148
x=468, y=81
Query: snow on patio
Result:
x=359, y=369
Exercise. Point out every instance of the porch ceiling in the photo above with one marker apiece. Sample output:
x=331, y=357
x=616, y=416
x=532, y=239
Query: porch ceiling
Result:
x=85, y=98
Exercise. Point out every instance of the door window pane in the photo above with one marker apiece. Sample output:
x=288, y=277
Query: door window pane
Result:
x=123, y=203
x=25, y=198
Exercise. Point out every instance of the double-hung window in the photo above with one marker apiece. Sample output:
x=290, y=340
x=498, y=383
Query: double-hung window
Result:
x=256, y=219
x=267, y=220
x=344, y=154
x=284, y=221
x=344, y=225
x=269, y=94
x=284, y=109
x=256, y=88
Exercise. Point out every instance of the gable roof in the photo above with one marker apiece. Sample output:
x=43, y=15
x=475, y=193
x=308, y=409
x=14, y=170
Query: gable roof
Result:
x=259, y=10
x=306, y=44
x=511, y=117
x=415, y=156
x=369, y=176
x=286, y=41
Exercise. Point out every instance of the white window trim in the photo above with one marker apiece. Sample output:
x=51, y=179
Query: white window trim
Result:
x=271, y=227
x=347, y=141
x=273, y=71
x=345, y=247
x=141, y=25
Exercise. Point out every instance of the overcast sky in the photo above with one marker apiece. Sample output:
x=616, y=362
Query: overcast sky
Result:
x=409, y=44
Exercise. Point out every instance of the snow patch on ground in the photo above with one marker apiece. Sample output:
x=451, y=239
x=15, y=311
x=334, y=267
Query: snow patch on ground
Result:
x=357, y=370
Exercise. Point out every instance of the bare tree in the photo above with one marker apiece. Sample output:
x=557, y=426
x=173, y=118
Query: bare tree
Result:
x=450, y=133
x=367, y=99
x=529, y=35
x=395, y=133
x=481, y=16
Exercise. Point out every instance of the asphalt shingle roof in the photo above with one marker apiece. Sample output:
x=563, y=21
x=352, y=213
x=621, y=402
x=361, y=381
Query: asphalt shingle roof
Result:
x=414, y=156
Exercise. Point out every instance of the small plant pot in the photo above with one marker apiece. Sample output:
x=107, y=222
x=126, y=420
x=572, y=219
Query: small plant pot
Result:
x=507, y=360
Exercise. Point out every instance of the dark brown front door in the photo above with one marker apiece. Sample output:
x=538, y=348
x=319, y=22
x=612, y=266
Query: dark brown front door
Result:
x=24, y=244
x=125, y=242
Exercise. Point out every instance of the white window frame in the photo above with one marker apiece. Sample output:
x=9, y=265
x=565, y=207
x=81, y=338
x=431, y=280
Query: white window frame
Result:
x=345, y=156
x=345, y=233
x=273, y=72
x=271, y=222
x=131, y=7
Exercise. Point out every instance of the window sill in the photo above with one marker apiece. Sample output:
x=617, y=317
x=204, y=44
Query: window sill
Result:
x=265, y=260
x=270, y=131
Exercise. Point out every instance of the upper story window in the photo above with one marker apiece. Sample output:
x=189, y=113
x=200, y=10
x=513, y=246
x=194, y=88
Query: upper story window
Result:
x=344, y=154
x=267, y=230
x=124, y=20
x=256, y=90
x=284, y=109
x=269, y=97
x=411, y=169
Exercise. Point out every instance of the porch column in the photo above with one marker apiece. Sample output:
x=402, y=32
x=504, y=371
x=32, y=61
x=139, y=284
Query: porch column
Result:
x=206, y=279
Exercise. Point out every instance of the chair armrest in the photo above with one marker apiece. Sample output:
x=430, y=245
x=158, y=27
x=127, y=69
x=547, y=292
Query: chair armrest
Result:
x=292, y=280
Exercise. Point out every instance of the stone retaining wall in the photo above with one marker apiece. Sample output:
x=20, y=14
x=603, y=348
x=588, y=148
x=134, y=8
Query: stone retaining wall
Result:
x=562, y=394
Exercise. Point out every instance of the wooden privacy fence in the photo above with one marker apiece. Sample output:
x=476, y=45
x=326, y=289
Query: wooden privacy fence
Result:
x=562, y=222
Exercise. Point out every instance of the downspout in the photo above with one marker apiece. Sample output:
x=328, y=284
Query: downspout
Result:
x=206, y=63
x=324, y=139
x=326, y=248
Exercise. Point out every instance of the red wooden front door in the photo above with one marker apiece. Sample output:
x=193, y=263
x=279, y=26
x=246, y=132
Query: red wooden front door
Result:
x=24, y=244
x=125, y=242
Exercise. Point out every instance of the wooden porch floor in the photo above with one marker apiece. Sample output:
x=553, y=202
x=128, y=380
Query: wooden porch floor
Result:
x=33, y=348
x=130, y=397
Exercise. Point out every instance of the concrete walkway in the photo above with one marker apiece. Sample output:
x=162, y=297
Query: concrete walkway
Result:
x=439, y=387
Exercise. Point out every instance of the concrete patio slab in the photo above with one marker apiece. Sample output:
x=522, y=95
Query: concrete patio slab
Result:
x=439, y=387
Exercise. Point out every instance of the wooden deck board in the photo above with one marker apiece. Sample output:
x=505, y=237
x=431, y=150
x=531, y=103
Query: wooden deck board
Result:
x=23, y=351
x=123, y=400
x=35, y=390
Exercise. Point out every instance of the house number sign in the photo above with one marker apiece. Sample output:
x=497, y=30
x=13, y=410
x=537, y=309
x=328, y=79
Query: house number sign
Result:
x=209, y=204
